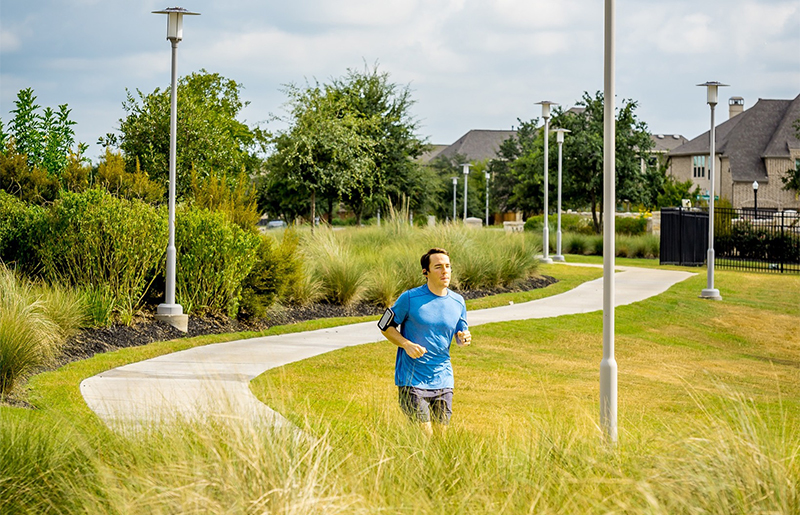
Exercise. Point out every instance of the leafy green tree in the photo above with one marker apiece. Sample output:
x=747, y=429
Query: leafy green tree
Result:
x=792, y=180
x=209, y=135
x=583, y=155
x=371, y=95
x=674, y=191
x=326, y=149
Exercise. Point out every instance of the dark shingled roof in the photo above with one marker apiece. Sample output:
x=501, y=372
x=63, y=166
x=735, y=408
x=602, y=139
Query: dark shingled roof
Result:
x=764, y=130
x=478, y=144
x=666, y=142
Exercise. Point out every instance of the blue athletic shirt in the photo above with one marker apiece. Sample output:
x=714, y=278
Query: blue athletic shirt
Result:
x=431, y=321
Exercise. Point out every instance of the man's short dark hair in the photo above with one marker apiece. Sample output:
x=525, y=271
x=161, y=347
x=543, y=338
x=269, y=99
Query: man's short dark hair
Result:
x=425, y=261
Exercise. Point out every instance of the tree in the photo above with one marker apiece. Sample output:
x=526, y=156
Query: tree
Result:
x=583, y=155
x=792, y=180
x=326, y=149
x=209, y=136
x=369, y=94
x=675, y=191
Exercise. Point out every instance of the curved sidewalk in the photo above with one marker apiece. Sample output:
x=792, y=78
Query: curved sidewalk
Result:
x=214, y=379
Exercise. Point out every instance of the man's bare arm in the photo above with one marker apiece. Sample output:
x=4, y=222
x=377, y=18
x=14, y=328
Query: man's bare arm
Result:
x=413, y=350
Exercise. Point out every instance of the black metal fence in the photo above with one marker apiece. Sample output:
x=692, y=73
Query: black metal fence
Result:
x=744, y=239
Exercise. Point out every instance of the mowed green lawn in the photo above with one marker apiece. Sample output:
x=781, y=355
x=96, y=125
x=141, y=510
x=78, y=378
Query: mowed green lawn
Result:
x=677, y=355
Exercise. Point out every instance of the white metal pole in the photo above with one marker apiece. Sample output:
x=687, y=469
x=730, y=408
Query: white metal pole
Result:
x=546, y=228
x=466, y=181
x=169, y=307
x=710, y=292
x=487, y=175
x=455, y=184
x=608, y=366
x=560, y=140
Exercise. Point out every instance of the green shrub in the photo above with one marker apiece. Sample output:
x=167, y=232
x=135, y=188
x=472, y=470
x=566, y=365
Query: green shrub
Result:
x=13, y=213
x=630, y=226
x=214, y=257
x=276, y=268
x=535, y=223
x=28, y=183
x=95, y=240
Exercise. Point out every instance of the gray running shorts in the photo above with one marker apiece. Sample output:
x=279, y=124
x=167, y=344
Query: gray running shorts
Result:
x=425, y=405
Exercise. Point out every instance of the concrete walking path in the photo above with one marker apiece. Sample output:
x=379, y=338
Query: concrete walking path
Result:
x=214, y=379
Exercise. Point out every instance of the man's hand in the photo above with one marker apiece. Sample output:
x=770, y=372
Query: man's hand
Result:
x=413, y=350
x=463, y=337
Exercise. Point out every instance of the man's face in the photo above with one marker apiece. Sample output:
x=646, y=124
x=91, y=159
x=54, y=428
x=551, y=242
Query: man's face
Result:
x=439, y=271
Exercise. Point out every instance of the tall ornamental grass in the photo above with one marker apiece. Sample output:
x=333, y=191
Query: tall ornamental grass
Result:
x=377, y=264
x=94, y=240
x=35, y=321
x=731, y=461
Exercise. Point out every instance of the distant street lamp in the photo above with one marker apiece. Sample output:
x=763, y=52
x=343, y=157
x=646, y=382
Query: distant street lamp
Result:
x=560, y=140
x=710, y=292
x=170, y=311
x=466, y=177
x=755, y=198
x=487, y=198
x=455, y=183
x=546, y=231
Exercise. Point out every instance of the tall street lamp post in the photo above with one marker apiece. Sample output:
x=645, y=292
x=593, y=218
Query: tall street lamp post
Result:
x=710, y=292
x=455, y=183
x=466, y=177
x=560, y=140
x=546, y=230
x=170, y=311
x=487, y=198
x=608, y=365
x=755, y=199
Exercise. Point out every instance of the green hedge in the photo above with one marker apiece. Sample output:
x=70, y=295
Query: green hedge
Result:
x=569, y=223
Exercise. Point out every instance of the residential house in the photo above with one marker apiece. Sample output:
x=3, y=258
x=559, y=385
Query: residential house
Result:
x=759, y=144
x=662, y=145
x=475, y=145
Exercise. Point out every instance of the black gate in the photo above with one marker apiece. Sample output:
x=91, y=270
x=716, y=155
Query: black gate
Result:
x=766, y=240
x=684, y=237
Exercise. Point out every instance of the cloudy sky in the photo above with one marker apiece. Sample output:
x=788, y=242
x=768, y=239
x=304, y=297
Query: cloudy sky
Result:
x=470, y=63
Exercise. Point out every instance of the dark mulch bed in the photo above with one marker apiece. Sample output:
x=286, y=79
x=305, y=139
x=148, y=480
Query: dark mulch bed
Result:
x=147, y=330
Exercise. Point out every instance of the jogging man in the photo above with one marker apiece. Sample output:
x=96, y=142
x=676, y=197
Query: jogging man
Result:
x=428, y=318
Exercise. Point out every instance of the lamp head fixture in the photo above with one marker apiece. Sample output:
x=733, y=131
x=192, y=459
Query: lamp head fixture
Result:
x=560, y=134
x=712, y=91
x=546, y=107
x=175, y=21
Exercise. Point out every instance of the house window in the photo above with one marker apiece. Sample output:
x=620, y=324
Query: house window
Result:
x=699, y=166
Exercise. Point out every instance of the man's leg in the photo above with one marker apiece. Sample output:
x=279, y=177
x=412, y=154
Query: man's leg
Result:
x=416, y=407
x=441, y=409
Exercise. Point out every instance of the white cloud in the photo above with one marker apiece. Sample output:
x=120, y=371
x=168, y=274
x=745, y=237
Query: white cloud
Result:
x=9, y=42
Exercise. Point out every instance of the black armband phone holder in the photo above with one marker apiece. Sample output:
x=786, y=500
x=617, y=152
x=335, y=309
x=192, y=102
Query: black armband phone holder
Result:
x=387, y=320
